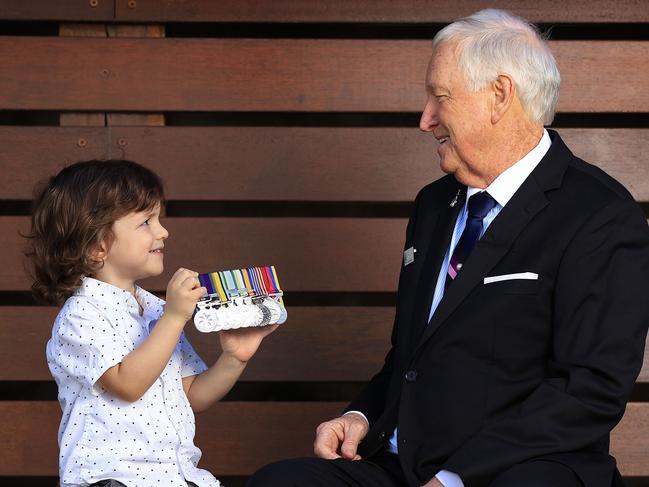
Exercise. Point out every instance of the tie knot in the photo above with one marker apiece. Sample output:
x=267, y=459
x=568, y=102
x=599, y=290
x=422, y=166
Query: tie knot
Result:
x=480, y=204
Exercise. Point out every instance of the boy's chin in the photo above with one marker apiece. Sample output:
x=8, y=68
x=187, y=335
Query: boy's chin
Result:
x=151, y=273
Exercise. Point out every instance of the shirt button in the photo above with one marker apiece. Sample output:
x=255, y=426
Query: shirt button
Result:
x=411, y=376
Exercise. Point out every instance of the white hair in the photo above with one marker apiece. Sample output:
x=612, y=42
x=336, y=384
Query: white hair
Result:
x=492, y=42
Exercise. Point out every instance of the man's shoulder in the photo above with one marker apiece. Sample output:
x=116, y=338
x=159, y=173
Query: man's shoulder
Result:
x=579, y=182
x=593, y=181
x=589, y=190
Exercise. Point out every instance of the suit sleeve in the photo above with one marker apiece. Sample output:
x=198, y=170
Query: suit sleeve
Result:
x=600, y=320
x=372, y=398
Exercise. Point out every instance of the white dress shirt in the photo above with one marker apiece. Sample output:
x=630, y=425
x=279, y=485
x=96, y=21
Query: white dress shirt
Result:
x=501, y=189
x=142, y=443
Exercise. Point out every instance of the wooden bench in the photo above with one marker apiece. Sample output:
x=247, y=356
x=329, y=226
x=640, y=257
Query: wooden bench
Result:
x=301, y=152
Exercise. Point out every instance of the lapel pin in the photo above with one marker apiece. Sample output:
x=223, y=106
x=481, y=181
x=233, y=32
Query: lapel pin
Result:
x=409, y=256
x=455, y=198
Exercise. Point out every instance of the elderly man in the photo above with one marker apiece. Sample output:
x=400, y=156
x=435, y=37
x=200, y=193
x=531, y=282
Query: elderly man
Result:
x=522, y=313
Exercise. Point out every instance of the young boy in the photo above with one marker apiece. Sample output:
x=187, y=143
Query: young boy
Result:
x=128, y=379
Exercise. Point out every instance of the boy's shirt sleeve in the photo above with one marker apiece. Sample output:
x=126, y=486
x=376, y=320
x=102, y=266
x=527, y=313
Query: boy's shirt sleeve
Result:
x=192, y=364
x=87, y=345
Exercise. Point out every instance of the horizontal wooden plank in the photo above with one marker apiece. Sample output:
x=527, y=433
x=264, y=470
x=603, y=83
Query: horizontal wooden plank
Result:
x=238, y=438
x=310, y=254
x=283, y=163
x=375, y=11
x=337, y=344
x=283, y=75
x=70, y=10
x=411, y=11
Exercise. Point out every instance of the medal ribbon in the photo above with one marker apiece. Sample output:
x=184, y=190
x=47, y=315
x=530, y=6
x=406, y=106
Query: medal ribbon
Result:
x=258, y=281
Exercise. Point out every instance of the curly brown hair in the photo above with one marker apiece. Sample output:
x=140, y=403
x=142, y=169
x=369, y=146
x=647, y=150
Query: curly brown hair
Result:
x=74, y=211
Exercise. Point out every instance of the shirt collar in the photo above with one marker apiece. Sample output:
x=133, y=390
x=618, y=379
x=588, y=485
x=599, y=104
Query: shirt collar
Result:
x=507, y=183
x=117, y=297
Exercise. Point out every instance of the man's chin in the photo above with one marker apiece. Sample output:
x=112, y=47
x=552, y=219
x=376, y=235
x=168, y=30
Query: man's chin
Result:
x=446, y=167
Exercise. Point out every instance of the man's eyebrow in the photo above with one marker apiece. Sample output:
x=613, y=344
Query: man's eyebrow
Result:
x=433, y=88
x=430, y=87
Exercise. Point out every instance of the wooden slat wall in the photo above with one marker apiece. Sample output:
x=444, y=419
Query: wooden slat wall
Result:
x=113, y=80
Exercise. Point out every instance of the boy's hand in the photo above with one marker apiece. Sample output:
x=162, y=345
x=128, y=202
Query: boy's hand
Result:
x=242, y=343
x=183, y=292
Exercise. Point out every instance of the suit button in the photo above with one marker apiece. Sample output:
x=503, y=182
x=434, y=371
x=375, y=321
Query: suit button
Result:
x=382, y=435
x=411, y=376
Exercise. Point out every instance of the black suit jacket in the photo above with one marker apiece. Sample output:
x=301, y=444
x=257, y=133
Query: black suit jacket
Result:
x=518, y=369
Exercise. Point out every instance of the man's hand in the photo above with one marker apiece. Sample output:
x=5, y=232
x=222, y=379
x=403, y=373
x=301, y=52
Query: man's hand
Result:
x=339, y=438
x=433, y=483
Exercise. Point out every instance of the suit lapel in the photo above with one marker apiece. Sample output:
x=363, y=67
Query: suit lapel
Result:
x=501, y=234
x=439, y=238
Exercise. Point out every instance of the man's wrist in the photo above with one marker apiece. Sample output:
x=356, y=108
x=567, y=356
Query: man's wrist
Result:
x=360, y=414
x=449, y=479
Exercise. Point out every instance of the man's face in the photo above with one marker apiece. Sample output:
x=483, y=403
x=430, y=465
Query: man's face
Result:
x=459, y=119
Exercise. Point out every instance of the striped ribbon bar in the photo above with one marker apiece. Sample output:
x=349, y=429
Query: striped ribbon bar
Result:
x=250, y=281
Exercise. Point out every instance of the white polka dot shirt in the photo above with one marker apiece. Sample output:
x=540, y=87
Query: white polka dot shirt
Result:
x=143, y=443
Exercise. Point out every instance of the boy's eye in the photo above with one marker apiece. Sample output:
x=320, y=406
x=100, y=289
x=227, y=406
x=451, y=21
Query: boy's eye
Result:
x=147, y=221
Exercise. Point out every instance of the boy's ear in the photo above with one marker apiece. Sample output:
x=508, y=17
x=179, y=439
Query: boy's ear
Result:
x=99, y=252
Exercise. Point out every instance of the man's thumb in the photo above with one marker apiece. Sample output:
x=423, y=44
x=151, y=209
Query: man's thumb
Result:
x=348, y=449
x=350, y=444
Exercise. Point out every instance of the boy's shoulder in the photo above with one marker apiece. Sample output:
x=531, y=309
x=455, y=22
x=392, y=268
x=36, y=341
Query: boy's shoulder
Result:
x=78, y=307
x=80, y=304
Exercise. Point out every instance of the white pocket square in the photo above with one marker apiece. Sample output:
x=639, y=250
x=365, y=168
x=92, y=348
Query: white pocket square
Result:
x=508, y=277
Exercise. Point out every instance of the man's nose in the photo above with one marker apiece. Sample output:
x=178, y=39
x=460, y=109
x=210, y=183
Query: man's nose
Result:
x=428, y=120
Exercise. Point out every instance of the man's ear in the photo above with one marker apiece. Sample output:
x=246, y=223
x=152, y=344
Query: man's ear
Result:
x=504, y=91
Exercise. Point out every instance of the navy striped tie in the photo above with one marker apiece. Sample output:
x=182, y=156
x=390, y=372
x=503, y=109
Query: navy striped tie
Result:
x=479, y=205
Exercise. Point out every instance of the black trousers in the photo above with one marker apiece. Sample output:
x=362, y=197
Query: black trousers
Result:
x=381, y=470
x=384, y=470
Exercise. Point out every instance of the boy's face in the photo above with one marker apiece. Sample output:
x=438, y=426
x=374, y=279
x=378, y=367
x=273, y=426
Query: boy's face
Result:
x=136, y=251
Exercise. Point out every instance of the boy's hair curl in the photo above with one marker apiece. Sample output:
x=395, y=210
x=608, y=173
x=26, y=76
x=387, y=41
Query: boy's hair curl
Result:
x=74, y=211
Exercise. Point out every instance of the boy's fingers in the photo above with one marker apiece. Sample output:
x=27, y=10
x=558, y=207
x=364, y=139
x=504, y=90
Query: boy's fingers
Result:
x=189, y=272
x=199, y=292
x=191, y=282
x=177, y=275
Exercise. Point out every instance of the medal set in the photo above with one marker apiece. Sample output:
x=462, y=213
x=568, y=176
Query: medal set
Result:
x=240, y=298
